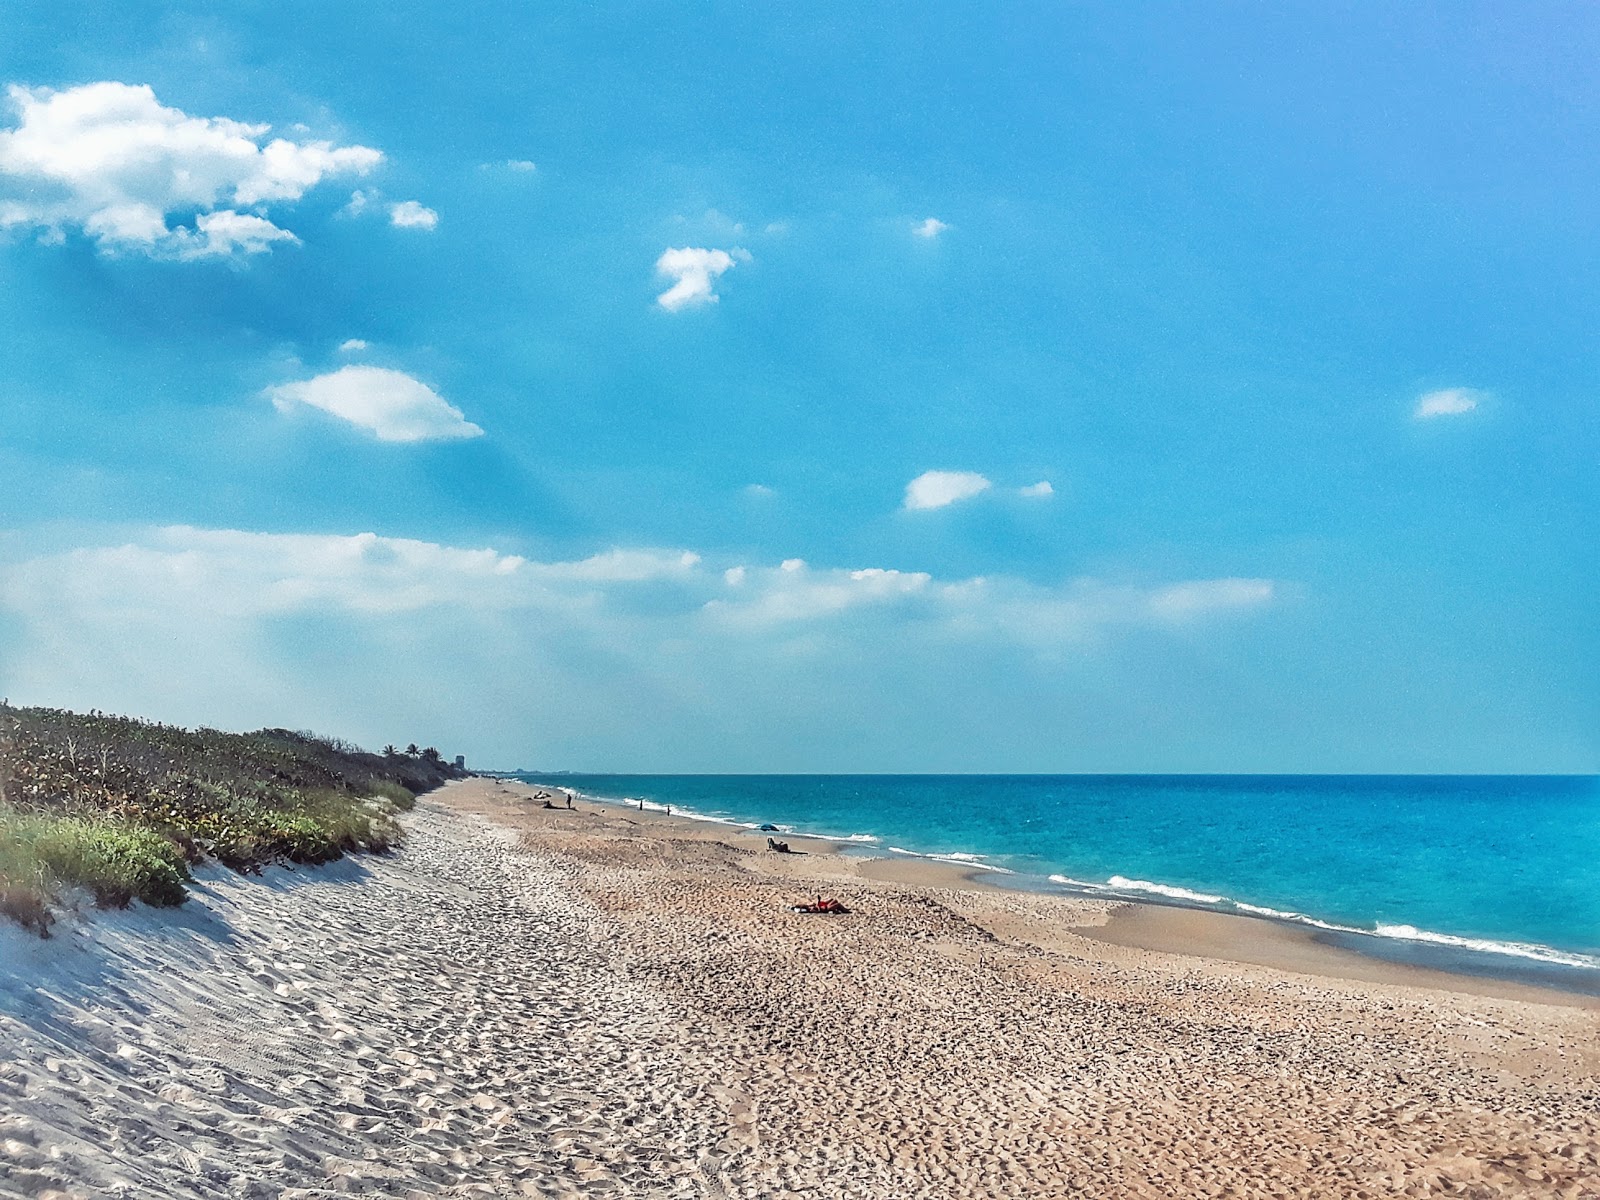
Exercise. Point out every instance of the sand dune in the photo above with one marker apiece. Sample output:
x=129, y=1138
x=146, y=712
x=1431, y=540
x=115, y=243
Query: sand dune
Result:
x=561, y=1004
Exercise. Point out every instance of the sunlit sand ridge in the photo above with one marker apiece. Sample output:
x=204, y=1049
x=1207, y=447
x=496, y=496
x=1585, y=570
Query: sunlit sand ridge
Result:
x=529, y=1002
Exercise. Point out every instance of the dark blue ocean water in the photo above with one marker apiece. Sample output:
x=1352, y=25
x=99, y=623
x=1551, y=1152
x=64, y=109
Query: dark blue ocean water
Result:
x=1487, y=865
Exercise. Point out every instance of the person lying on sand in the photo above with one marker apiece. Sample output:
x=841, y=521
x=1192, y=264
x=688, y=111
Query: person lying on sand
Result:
x=821, y=906
x=779, y=847
x=548, y=804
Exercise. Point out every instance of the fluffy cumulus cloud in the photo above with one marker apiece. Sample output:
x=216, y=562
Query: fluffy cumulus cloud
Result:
x=939, y=489
x=694, y=272
x=110, y=160
x=391, y=405
x=1447, y=402
x=241, y=627
x=930, y=228
x=409, y=214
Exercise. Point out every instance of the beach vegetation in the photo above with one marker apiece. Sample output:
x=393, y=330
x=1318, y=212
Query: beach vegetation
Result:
x=120, y=809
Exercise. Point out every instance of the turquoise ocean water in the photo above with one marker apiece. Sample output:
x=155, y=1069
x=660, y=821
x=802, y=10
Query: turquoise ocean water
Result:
x=1491, y=874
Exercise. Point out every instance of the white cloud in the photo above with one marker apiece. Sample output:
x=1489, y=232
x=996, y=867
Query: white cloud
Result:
x=936, y=489
x=1198, y=598
x=235, y=573
x=795, y=593
x=241, y=628
x=1037, y=491
x=352, y=346
x=219, y=234
x=623, y=566
x=409, y=214
x=359, y=200
x=390, y=404
x=695, y=271
x=109, y=159
x=759, y=491
x=524, y=165
x=1447, y=402
x=930, y=228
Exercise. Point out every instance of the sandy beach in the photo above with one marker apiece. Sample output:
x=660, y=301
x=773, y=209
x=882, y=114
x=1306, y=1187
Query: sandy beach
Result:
x=530, y=1002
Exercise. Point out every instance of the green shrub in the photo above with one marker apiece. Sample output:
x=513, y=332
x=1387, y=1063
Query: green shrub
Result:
x=118, y=863
x=115, y=861
x=401, y=797
x=123, y=807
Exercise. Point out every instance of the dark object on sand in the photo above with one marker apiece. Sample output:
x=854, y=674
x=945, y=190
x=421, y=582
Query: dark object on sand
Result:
x=821, y=906
x=779, y=847
x=767, y=828
x=547, y=804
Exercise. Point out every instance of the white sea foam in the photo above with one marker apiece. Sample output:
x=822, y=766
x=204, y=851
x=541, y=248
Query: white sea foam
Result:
x=1163, y=889
x=1068, y=881
x=1411, y=933
x=1404, y=933
x=972, y=860
x=1278, y=914
x=959, y=858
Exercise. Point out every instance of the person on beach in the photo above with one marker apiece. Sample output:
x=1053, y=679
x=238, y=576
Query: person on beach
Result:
x=821, y=906
x=569, y=800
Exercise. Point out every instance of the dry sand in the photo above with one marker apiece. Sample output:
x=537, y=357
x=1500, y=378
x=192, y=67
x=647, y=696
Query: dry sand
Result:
x=527, y=1002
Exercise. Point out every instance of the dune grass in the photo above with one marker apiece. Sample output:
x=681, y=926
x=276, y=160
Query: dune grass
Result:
x=121, y=809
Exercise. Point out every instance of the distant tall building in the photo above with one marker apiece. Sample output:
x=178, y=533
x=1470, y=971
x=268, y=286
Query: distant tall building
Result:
x=461, y=762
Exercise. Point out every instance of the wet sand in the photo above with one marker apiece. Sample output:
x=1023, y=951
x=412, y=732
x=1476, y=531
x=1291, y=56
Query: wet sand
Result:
x=533, y=1002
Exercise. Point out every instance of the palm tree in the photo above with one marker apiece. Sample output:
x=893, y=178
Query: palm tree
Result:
x=390, y=752
x=412, y=750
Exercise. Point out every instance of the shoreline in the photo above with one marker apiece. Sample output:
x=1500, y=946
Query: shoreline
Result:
x=565, y=1004
x=1172, y=926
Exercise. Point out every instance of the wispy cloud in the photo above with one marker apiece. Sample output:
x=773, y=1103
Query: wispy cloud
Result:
x=410, y=214
x=938, y=489
x=243, y=574
x=110, y=160
x=930, y=228
x=1447, y=402
x=1037, y=491
x=391, y=405
x=694, y=271
x=352, y=346
x=658, y=648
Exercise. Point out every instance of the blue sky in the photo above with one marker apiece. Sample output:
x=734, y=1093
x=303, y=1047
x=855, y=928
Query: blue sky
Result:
x=671, y=388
